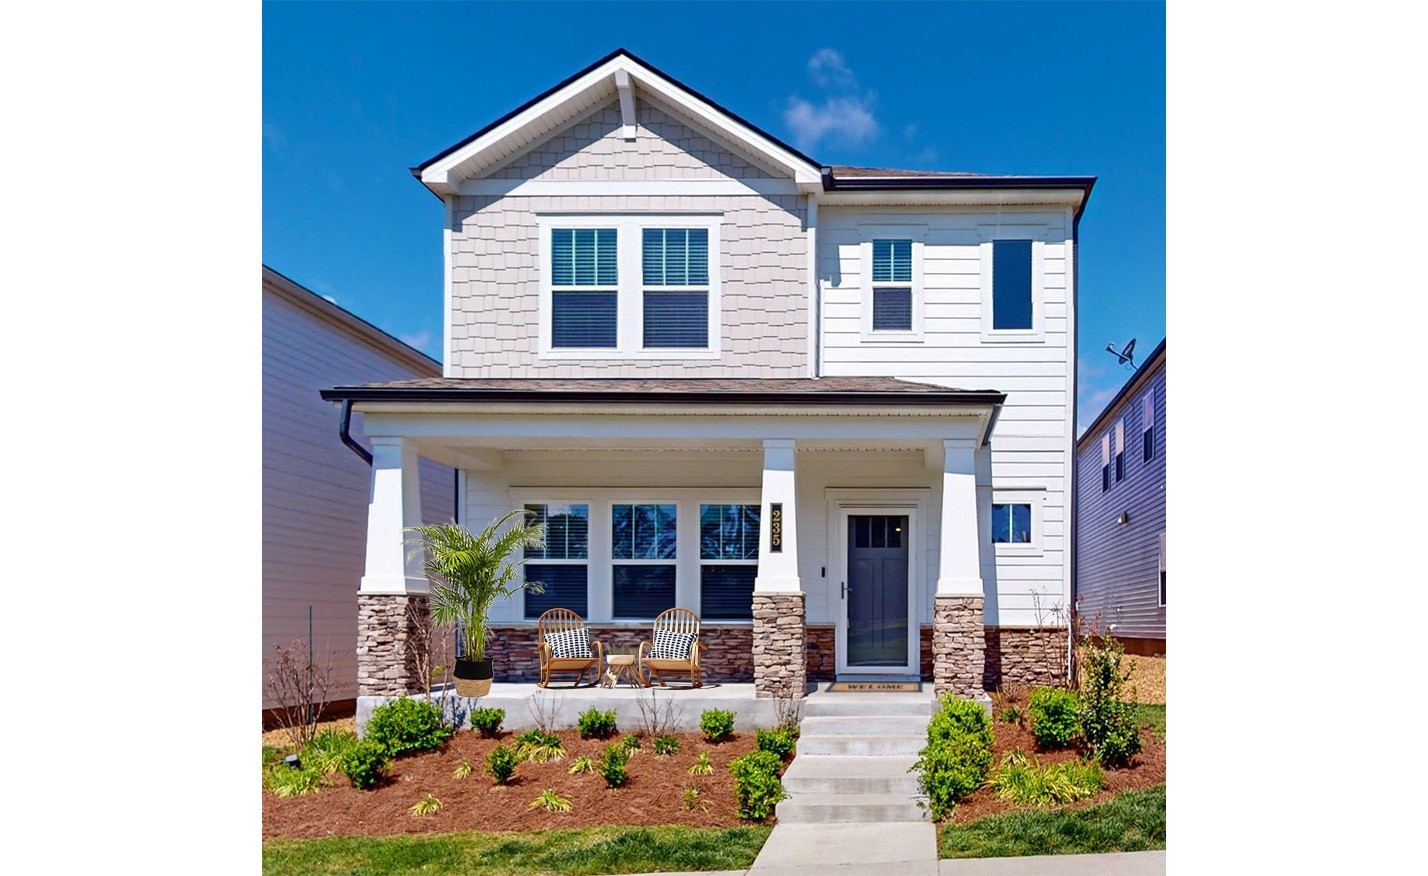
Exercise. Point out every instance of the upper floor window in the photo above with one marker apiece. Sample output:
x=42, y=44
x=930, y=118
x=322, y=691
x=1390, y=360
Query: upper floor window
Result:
x=676, y=287
x=1105, y=462
x=1120, y=450
x=1011, y=285
x=892, y=285
x=1147, y=426
x=584, y=287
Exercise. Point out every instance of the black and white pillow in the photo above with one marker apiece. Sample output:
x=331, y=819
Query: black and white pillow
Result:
x=571, y=643
x=671, y=646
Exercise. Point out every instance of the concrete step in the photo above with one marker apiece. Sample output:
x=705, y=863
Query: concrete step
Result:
x=825, y=808
x=830, y=774
x=810, y=745
x=828, y=705
x=879, y=725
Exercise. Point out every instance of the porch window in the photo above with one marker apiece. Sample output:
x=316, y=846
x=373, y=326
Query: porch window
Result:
x=1011, y=285
x=892, y=285
x=676, y=287
x=1011, y=523
x=584, y=287
x=728, y=561
x=563, y=565
x=642, y=546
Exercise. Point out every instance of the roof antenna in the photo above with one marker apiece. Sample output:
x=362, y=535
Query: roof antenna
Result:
x=1124, y=356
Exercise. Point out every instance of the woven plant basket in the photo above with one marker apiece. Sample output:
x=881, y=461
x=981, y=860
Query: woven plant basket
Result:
x=473, y=687
x=473, y=677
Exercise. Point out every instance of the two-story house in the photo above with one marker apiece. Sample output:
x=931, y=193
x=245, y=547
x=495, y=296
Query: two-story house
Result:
x=827, y=408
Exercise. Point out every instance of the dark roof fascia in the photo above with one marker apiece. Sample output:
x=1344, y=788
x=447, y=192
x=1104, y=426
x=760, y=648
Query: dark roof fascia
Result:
x=416, y=171
x=832, y=183
x=736, y=397
x=1156, y=358
x=322, y=303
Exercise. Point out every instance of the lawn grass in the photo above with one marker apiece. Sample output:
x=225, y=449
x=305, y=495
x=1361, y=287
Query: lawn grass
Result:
x=1152, y=716
x=582, y=852
x=1133, y=821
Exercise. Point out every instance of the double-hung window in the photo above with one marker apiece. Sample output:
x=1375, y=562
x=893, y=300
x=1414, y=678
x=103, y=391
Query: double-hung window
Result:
x=643, y=553
x=1012, y=285
x=728, y=561
x=1147, y=426
x=1105, y=462
x=675, y=303
x=892, y=285
x=562, y=567
x=584, y=288
x=1120, y=450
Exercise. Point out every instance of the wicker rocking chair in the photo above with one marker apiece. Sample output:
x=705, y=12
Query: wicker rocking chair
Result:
x=563, y=620
x=674, y=621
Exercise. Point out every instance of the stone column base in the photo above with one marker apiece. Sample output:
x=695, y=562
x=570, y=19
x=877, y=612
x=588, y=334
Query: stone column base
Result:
x=958, y=646
x=386, y=666
x=780, y=667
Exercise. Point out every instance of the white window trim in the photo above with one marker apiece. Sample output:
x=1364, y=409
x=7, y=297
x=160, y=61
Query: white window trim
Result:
x=1036, y=498
x=630, y=292
x=867, y=234
x=600, y=578
x=1037, y=235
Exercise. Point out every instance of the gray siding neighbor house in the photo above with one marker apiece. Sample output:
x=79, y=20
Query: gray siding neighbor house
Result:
x=315, y=490
x=1120, y=513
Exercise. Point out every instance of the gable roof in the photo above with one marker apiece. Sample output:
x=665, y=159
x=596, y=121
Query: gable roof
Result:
x=590, y=87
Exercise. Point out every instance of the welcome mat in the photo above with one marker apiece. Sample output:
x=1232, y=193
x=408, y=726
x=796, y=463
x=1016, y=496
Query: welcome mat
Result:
x=880, y=686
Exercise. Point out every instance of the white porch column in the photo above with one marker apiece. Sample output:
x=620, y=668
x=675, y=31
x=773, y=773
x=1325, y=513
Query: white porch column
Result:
x=958, y=632
x=395, y=505
x=961, y=570
x=780, y=661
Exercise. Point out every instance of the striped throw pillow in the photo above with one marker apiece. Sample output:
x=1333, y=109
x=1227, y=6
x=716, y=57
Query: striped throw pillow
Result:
x=671, y=646
x=571, y=643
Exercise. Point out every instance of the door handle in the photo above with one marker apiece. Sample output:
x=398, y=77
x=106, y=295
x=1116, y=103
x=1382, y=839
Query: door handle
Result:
x=844, y=586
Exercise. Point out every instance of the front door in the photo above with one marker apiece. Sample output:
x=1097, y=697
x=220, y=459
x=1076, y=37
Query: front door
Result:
x=877, y=601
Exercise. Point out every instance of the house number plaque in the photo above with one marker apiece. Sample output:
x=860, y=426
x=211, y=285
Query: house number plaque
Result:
x=775, y=527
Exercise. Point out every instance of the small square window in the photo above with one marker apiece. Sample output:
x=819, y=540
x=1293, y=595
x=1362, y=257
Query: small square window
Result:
x=1011, y=523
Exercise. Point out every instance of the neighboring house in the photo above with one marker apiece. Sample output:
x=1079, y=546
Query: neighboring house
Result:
x=1120, y=513
x=315, y=490
x=827, y=408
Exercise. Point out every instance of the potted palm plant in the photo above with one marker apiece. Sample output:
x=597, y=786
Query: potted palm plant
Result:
x=468, y=573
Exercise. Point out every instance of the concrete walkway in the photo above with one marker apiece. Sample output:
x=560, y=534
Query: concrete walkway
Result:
x=892, y=864
x=872, y=848
x=1116, y=864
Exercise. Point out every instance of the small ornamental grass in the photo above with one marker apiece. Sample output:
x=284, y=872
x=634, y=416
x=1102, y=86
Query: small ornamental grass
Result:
x=427, y=805
x=612, y=765
x=501, y=763
x=550, y=802
x=664, y=746
x=1022, y=780
x=702, y=766
x=595, y=724
x=487, y=722
x=631, y=744
x=716, y=724
x=326, y=750
x=463, y=770
x=1055, y=720
x=958, y=754
x=757, y=786
x=539, y=746
x=286, y=782
x=403, y=725
x=582, y=764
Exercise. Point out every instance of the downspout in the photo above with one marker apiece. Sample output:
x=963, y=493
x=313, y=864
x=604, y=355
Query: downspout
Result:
x=345, y=433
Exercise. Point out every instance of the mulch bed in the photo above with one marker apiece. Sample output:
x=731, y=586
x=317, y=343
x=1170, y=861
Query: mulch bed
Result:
x=653, y=795
x=1146, y=770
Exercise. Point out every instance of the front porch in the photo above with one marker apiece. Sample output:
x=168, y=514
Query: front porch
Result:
x=869, y=500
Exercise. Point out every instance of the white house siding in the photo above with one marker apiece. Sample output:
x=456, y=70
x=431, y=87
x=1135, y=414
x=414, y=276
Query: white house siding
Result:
x=495, y=253
x=315, y=490
x=1032, y=445
x=1117, y=575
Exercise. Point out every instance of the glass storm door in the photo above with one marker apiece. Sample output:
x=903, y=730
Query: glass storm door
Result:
x=877, y=591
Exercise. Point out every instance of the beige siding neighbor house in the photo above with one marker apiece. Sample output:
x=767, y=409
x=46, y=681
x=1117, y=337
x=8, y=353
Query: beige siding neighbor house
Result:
x=828, y=408
x=315, y=490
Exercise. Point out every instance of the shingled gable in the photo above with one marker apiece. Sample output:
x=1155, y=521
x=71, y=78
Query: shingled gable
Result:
x=618, y=75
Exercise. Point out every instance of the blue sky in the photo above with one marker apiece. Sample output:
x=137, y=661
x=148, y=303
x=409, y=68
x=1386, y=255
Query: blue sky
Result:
x=356, y=93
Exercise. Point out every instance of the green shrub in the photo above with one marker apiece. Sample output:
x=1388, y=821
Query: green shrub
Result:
x=958, y=753
x=756, y=784
x=326, y=750
x=1025, y=782
x=501, y=763
x=595, y=724
x=630, y=743
x=1108, y=724
x=365, y=764
x=539, y=746
x=717, y=724
x=404, y=724
x=666, y=745
x=612, y=765
x=487, y=722
x=779, y=741
x=1054, y=717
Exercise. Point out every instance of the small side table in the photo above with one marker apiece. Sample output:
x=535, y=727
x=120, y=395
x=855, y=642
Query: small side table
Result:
x=623, y=665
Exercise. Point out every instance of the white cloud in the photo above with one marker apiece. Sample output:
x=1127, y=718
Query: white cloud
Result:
x=417, y=339
x=332, y=298
x=844, y=116
x=273, y=135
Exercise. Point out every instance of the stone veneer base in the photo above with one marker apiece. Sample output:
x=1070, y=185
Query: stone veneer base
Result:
x=385, y=665
x=958, y=646
x=780, y=651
